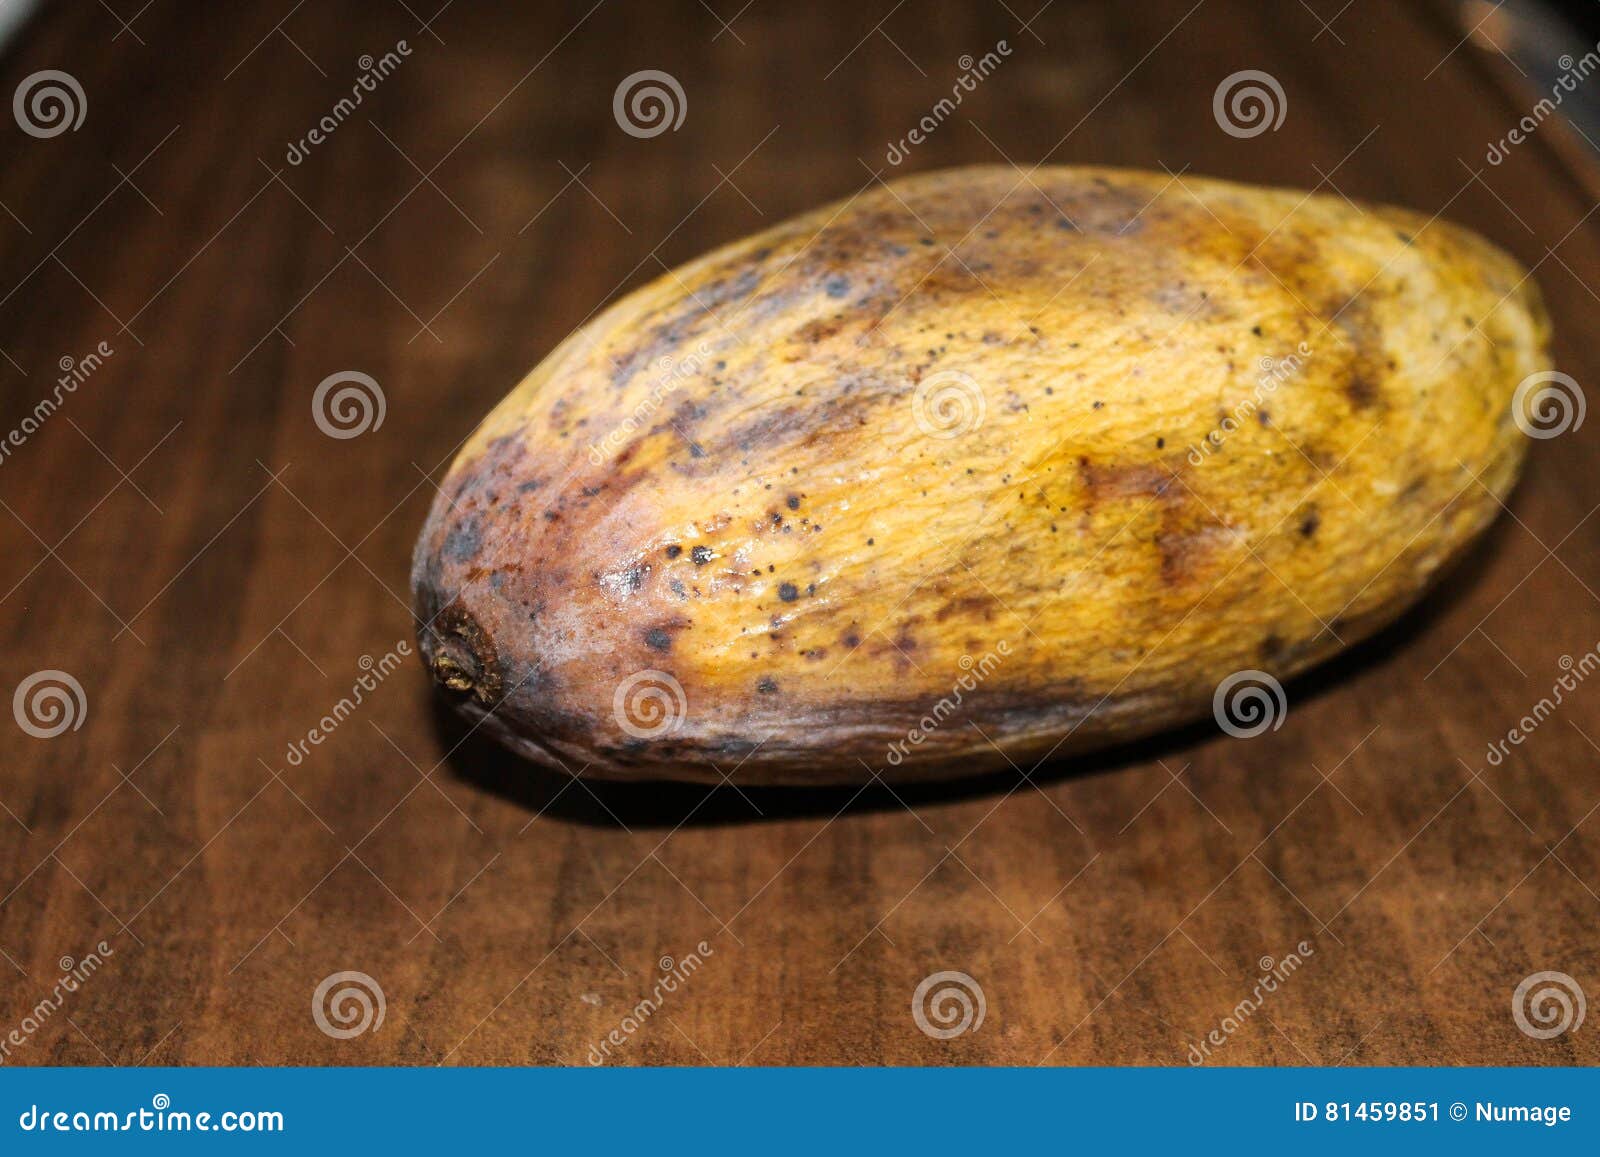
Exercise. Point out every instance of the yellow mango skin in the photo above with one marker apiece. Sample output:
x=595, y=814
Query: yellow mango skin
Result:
x=739, y=482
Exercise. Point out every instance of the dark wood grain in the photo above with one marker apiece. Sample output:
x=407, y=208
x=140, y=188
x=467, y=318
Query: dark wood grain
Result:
x=183, y=540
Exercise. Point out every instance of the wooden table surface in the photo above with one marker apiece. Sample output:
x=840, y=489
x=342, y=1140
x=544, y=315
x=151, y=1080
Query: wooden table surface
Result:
x=216, y=573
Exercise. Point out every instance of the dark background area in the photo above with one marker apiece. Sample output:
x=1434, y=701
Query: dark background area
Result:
x=183, y=539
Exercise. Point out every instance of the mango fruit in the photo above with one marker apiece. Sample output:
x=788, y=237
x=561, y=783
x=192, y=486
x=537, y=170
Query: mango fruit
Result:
x=975, y=468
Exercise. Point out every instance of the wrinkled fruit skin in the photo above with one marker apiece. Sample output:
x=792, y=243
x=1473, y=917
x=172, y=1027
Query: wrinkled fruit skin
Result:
x=836, y=500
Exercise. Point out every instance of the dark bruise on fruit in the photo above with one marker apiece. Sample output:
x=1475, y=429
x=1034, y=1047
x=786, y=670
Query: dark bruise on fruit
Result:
x=734, y=482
